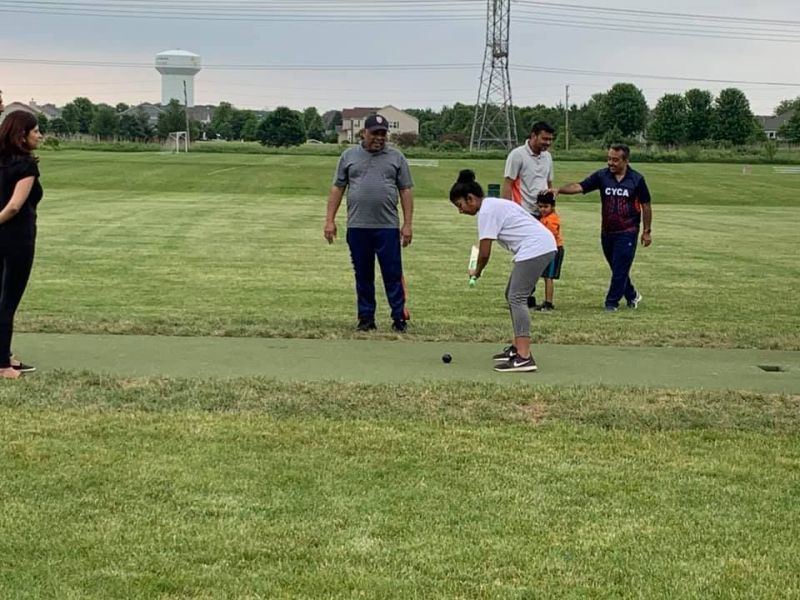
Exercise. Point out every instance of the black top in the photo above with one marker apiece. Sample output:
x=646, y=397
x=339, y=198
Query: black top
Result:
x=21, y=228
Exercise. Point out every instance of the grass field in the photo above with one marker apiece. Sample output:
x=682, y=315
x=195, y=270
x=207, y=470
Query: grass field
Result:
x=233, y=245
x=119, y=487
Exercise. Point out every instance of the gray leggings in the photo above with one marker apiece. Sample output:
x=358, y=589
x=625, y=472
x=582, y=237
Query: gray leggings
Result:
x=521, y=283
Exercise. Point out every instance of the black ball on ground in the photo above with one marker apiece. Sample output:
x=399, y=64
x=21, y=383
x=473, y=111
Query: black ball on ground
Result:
x=446, y=358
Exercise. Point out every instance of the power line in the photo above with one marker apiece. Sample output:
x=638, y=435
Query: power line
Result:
x=397, y=67
x=650, y=23
x=401, y=14
x=421, y=10
x=650, y=76
x=663, y=31
x=676, y=15
x=444, y=17
x=249, y=67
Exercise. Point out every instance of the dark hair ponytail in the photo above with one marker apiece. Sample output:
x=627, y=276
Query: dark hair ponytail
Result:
x=464, y=185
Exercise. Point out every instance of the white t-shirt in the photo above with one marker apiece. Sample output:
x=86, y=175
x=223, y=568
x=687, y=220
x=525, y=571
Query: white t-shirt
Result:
x=529, y=173
x=514, y=229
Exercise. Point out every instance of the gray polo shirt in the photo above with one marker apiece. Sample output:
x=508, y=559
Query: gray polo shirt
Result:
x=529, y=174
x=373, y=181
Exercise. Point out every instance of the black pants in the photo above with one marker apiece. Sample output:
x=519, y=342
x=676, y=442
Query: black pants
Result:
x=15, y=267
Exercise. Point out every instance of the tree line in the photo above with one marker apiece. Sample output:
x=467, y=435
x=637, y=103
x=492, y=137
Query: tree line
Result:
x=619, y=114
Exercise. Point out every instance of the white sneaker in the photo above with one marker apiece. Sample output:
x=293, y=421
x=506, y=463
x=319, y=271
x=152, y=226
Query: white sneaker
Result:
x=635, y=302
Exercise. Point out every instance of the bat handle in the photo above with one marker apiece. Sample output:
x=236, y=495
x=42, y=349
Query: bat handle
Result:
x=473, y=281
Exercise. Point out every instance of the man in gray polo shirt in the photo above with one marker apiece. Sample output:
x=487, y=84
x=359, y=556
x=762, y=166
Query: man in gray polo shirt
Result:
x=529, y=172
x=529, y=168
x=374, y=176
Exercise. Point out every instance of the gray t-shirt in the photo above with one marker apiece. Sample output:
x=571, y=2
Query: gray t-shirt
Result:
x=373, y=181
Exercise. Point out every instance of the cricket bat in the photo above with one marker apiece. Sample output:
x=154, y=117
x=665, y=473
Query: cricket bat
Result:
x=473, y=264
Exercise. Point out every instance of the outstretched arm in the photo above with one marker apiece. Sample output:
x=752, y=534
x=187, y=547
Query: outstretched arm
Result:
x=569, y=189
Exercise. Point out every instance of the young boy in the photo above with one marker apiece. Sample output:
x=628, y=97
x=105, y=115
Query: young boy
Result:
x=548, y=217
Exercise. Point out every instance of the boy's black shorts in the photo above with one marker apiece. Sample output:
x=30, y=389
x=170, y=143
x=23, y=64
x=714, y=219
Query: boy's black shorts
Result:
x=553, y=270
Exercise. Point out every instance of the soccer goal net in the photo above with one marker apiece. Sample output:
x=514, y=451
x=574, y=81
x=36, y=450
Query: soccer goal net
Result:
x=177, y=141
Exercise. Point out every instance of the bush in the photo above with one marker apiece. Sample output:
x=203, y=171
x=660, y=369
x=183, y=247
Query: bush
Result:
x=406, y=139
x=693, y=152
x=450, y=146
x=51, y=143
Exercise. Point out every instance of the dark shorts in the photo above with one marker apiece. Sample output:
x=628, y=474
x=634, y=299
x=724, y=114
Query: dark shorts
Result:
x=553, y=270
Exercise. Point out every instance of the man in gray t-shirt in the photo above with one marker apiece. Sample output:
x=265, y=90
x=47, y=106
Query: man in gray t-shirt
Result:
x=529, y=172
x=374, y=176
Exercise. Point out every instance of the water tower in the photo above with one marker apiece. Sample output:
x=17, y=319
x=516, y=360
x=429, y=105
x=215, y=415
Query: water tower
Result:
x=177, y=67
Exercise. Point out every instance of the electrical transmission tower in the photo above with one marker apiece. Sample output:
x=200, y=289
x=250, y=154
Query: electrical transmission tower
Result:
x=494, y=123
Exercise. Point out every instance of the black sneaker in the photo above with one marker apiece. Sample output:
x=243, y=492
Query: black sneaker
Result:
x=23, y=368
x=507, y=354
x=400, y=326
x=546, y=307
x=531, y=301
x=634, y=304
x=366, y=325
x=517, y=365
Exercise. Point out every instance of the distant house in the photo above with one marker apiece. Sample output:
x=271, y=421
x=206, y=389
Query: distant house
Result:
x=151, y=110
x=353, y=121
x=15, y=106
x=51, y=111
x=772, y=124
x=199, y=112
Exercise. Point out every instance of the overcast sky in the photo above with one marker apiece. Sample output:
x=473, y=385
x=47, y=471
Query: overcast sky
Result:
x=45, y=37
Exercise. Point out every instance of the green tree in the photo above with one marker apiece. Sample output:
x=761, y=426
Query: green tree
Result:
x=44, y=122
x=282, y=127
x=105, y=122
x=312, y=122
x=625, y=108
x=670, y=119
x=429, y=124
x=221, y=121
x=135, y=126
x=244, y=125
x=59, y=126
x=587, y=122
x=786, y=106
x=129, y=127
x=528, y=115
x=79, y=115
x=456, y=119
x=121, y=107
x=145, y=126
x=790, y=130
x=332, y=119
x=173, y=118
x=733, y=120
x=699, y=114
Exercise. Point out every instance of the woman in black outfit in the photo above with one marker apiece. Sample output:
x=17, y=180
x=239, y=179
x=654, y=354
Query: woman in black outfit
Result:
x=20, y=192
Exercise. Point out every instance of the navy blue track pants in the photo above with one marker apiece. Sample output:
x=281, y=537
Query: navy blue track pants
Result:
x=365, y=245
